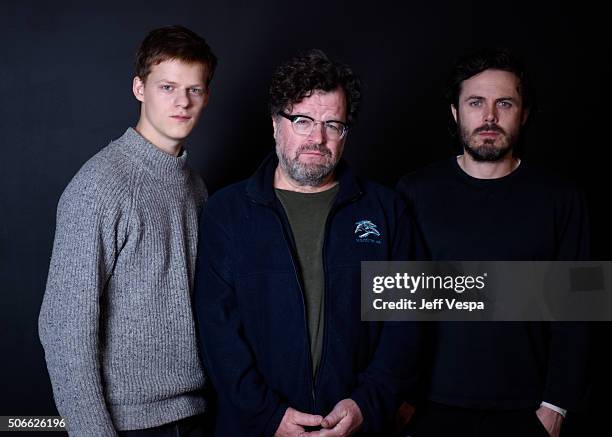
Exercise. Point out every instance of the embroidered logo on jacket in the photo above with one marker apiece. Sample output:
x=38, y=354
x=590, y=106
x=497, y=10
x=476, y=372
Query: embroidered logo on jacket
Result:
x=367, y=232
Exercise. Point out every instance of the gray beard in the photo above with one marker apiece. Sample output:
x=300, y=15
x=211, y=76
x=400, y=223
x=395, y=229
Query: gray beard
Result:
x=312, y=175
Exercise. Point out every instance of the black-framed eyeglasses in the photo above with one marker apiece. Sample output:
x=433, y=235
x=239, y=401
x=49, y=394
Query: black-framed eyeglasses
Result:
x=304, y=125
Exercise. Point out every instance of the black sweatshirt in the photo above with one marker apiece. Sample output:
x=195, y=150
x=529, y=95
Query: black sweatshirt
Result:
x=526, y=215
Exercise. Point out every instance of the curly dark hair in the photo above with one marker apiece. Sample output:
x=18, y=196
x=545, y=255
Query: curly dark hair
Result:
x=489, y=58
x=173, y=42
x=313, y=71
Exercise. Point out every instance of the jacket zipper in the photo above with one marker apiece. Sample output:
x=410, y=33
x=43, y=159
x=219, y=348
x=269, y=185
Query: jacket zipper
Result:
x=332, y=211
x=291, y=246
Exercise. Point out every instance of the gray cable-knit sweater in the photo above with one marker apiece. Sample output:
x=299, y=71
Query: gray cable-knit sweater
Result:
x=116, y=321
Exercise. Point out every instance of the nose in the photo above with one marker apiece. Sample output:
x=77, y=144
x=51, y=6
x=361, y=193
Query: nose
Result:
x=182, y=99
x=490, y=114
x=318, y=133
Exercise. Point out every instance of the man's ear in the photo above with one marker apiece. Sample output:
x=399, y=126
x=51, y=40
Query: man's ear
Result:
x=206, y=96
x=454, y=112
x=274, y=126
x=138, y=88
x=524, y=116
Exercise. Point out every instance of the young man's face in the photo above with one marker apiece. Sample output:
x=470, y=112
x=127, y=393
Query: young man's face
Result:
x=173, y=96
x=490, y=114
x=311, y=159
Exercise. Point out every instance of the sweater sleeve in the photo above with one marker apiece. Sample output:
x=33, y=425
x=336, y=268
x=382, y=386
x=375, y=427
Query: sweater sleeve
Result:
x=84, y=251
x=226, y=354
x=567, y=375
x=406, y=188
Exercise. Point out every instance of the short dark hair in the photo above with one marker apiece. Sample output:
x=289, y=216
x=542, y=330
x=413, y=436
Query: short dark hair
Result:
x=173, y=42
x=484, y=59
x=313, y=71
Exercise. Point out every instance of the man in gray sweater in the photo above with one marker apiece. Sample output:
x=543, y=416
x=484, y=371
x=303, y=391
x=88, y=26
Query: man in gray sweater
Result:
x=116, y=321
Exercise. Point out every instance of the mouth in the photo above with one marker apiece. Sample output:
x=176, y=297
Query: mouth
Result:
x=313, y=157
x=489, y=133
x=314, y=152
x=181, y=118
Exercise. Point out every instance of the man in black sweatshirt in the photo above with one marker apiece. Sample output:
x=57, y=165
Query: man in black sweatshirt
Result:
x=504, y=378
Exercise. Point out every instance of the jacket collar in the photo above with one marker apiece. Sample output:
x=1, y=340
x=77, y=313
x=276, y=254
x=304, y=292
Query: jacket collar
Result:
x=260, y=187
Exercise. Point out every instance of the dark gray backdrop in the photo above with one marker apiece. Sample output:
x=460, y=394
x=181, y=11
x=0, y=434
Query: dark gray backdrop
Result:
x=65, y=87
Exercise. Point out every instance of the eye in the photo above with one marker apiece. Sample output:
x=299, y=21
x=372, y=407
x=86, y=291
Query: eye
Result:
x=302, y=122
x=196, y=91
x=475, y=103
x=504, y=104
x=334, y=127
x=166, y=87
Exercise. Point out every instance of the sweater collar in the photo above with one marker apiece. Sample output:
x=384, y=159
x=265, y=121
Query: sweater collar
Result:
x=161, y=165
x=260, y=186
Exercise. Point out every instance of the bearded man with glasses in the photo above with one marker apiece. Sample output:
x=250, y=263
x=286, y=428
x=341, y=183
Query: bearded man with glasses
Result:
x=278, y=275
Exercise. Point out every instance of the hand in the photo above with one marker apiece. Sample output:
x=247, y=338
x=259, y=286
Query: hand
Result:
x=551, y=420
x=344, y=420
x=403, y=416
x=294, y=421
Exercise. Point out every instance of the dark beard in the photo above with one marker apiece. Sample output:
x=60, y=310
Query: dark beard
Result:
x=486, y=152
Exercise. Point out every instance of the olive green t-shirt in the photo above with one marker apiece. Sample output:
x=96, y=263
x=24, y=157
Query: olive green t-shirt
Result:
x=307, y=214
